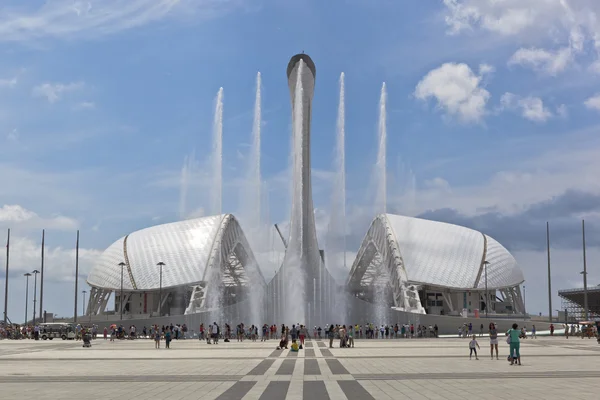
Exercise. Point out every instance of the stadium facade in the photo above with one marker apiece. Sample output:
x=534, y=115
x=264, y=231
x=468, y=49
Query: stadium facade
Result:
x=406, y=270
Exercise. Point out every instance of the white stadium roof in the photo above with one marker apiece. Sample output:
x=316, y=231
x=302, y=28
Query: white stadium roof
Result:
x=434, y=253
x=187, y=248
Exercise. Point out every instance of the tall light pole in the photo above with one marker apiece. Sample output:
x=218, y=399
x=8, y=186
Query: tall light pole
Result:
x=549, y=275
x=27, y=275
x=84, y=307
x=35, y=273
x=121, y=264
x=160, y=265
x=487, y=297
x=584, y=272
x=524, y=304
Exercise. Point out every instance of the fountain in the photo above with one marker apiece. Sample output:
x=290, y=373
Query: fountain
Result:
x=217, y=157
x=380, y=166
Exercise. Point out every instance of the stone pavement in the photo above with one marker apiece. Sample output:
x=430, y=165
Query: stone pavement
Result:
x=554, y=367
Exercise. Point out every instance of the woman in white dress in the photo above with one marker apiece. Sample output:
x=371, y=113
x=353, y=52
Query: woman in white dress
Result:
x=493, y=340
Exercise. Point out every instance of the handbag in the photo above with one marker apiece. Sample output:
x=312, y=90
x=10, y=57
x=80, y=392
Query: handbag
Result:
x=508, y=338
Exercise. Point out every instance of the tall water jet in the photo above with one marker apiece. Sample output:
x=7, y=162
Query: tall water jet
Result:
x=380, y=168
x=335, y=254
x=187, y=171
x=217, y=157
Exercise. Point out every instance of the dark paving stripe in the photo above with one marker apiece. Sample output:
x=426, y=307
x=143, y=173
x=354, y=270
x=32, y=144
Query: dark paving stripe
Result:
x=326, y=353
x=262, y=367
x=308, y=344
x=275, y=353
x=275, y=390
x=336, y=367
x=315, y=390
x=309, y=353
x=321, y=344
x=311, y=367
x=354, y=391
x=519, y=372
x=237, y=391
x=292, y=354
x=119, y=378
x=286, y=368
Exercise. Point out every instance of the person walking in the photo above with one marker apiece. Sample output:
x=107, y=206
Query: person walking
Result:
x=515, y=344
x=350, y=337
x=473, y=346
x=215, y=333
x=493, y=340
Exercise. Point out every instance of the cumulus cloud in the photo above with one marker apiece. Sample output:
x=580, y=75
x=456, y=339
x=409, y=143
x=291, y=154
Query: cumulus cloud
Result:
x=59, y=262
x=562, y=28
x=457, y=91
x=549, y=62
x=531, y=108
x=53, y=91
x=593, y=103
x=16, y=216
x=525, y=229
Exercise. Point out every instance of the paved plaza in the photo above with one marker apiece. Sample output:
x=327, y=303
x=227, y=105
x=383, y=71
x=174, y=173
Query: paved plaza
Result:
x=554, y=367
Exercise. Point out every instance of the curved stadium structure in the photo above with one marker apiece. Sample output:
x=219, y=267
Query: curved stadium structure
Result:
x=406, y=270
x=435, y=268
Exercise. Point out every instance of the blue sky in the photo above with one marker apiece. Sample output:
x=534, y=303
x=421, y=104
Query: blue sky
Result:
x=492, y=107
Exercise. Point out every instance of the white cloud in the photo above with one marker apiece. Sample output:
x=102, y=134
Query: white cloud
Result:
x=85, y=105
x=53, y=91
x=562, y=111
x=556, y=31
x=531, y=108
x=8, y=82
x=13, y=136
x=549, y=62
x=593, y=103
x=457, y=91
x=71, y=19
x=485, y=69
x=59, y=262
x=18, y=217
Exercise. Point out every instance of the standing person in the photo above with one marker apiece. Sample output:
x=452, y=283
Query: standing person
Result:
x=319, y=332
x=215, y=333
x=566, y=331
x=493, y=340
x=168, y=338
x=331, y=336
x=156, y=339
x=473, y=346
x=551, y=329
x=302, y=334
x=105, y=333
x=515, y=343
x=350, y=337
x=533, y=332
x=481, y=330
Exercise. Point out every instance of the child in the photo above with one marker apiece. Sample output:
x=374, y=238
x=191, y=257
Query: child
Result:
x=473, y=346
x=157, y=339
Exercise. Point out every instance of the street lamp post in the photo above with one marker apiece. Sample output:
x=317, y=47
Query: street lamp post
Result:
x=121, y=264
x=84, y=307
x=524, y=304
x=487, y=296
x=584, y=272
x=160, y=265
x=27, y=275
x=35, y=272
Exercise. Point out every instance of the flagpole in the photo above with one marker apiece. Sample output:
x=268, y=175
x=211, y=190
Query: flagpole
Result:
x=76, y=275
x=6, y=279
x=42, y=317
x=549, y=274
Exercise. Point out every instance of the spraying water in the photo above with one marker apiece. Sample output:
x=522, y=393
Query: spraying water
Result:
x=217, y=157
x=381, y=173
x=187, y=171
